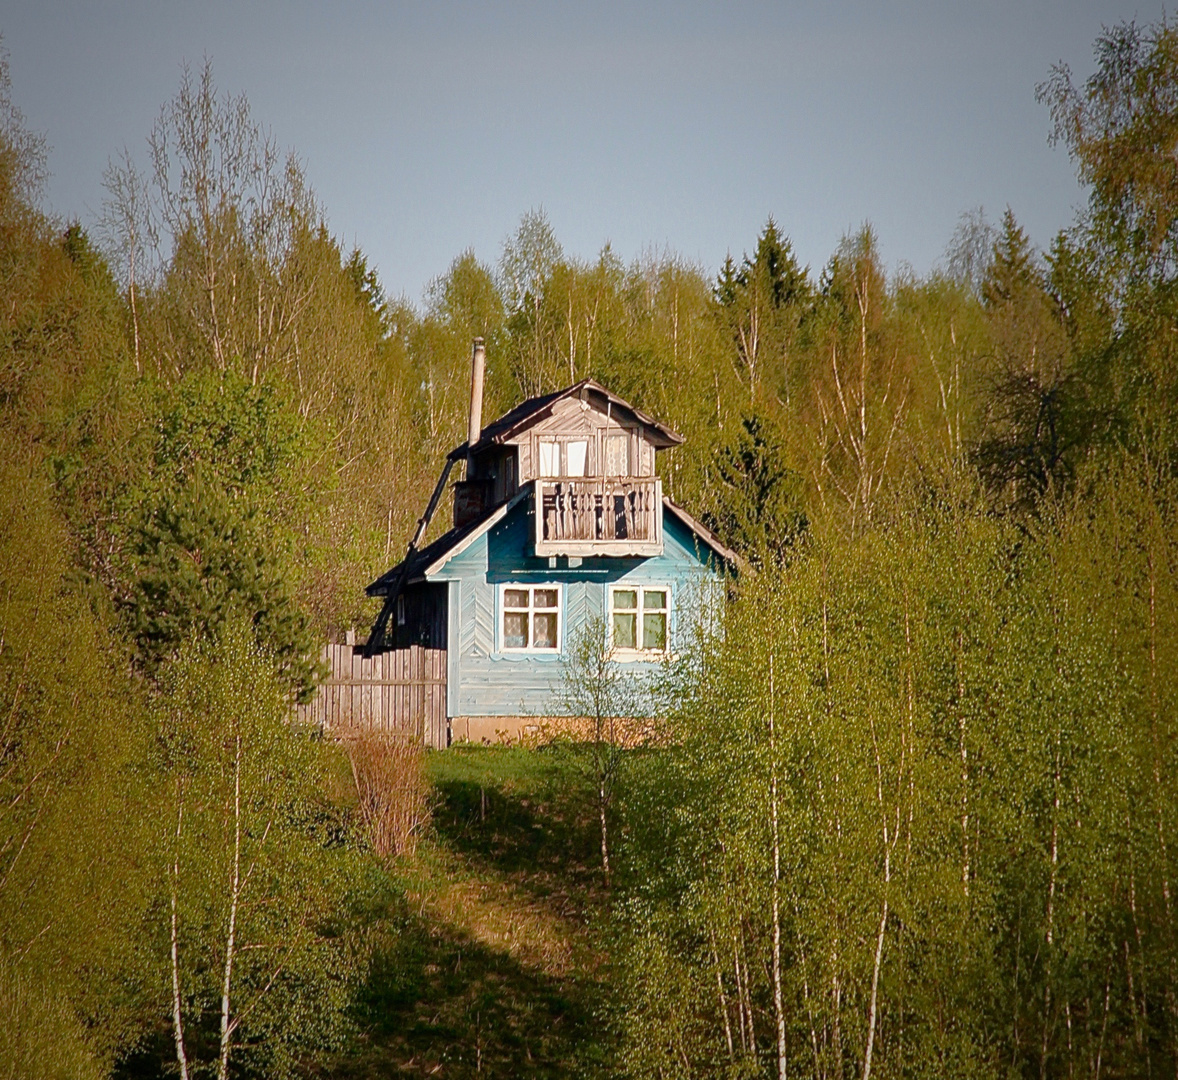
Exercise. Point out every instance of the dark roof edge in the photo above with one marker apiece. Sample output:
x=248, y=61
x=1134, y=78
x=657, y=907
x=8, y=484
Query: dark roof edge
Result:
x=707, y=536
x=546, y=401
x=457, y=538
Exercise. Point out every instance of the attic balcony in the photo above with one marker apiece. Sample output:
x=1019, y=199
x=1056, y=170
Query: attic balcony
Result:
x=613, y=515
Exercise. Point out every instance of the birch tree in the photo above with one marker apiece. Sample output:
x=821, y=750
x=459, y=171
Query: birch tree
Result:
x=247, y=884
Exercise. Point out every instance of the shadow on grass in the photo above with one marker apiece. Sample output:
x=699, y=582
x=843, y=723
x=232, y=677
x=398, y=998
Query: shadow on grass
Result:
x=440, y=1004
x=533, y=818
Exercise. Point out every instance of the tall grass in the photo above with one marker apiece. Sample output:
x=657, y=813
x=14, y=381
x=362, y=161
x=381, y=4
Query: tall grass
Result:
x=393, y=789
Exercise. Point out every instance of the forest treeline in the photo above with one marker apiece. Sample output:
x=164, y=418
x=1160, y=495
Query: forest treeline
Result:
x=917, y=817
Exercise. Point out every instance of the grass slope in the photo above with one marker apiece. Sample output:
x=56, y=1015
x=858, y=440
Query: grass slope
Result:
x=490, y=967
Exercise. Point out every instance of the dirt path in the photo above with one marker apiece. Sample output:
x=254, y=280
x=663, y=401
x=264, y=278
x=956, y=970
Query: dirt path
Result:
x=544, y=933
x=492, y=969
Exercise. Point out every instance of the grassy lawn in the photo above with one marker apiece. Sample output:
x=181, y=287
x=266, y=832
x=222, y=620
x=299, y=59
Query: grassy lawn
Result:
x=490, y=967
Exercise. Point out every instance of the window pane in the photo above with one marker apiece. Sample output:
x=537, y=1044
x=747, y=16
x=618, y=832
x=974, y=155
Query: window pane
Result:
x=544, y=626
x=654, y=599
x=625, y=599
x=617, y=455
x=549, y=458
x=515, y=598
x=654, y=631
x=578, y=456
x=544, y=598
x=625, y=630
x=515, y=630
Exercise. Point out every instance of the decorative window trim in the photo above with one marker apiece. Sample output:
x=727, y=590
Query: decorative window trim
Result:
x=640, y=652
x=530, y=649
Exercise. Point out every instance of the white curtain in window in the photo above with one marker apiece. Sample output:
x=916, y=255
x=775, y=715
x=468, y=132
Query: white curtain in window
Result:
x=617, y=455
x=578, y=454
x=549, y=458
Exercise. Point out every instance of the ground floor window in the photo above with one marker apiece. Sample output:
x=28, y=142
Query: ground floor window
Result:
x=638, y=617
x=530, y=618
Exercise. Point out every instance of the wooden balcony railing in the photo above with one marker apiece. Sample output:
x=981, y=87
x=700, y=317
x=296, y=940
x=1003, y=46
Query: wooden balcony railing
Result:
x=599, y=516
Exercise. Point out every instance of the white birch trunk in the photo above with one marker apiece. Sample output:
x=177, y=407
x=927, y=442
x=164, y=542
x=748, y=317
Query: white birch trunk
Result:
x=778, y=1003
x=177, y=1017
x=231, y=936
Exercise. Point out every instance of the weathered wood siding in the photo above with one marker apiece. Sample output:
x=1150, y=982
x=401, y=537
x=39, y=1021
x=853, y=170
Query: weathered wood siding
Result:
x=419, y=617
x=570, y=420
x=402, y=690
x=484, y=681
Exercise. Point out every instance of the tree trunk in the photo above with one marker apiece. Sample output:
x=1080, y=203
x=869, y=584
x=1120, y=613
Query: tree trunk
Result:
x=177, y=1018
x=604, y=834
x=778, y=1004
x=723, y=999
x=1050, y=932
x=871, y=1012
x=231, y=936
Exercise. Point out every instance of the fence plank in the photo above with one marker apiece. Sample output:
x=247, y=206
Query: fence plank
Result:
x=402, y=690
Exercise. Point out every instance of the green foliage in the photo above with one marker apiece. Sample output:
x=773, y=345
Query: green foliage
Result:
x=211, y=527
x=762, y=512
x=957, y=766
x=366, y=282
x=761, y=306
x=71, y=894
x=40, y=1038
x=1034, y=432
x=598, y=690
x=1118, y=128
x=250, y=886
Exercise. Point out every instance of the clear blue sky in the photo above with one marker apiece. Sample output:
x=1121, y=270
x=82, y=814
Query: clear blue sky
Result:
x=427, y=128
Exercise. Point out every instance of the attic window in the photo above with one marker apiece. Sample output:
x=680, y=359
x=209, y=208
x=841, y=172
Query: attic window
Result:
x=564, y=457
x=617, y=455
x=549, y=457
x=577, y=452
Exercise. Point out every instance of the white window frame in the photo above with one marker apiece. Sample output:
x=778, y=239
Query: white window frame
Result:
x=625, y=652
x=530, y=648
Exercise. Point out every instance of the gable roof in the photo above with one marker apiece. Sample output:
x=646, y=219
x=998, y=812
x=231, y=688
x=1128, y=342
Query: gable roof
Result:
x=707, y=536
x=535, y=409
x=456, y=540
x=431, y=558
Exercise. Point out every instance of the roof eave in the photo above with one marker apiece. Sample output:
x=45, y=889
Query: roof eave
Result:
x=460, y=545
x=708, y=537
x=664, y=437
x=380, y=586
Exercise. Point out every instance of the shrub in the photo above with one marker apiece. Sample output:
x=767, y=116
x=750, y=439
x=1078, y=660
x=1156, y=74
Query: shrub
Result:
x=40, y=1037
x=392, y=787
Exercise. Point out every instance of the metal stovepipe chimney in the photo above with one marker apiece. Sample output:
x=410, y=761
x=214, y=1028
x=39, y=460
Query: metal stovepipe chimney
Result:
x=478, y=365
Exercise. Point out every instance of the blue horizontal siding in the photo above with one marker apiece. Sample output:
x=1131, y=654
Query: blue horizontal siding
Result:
x=486, y=682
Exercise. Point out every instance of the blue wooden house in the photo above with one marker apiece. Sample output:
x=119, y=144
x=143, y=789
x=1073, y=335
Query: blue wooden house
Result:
x=560, y=519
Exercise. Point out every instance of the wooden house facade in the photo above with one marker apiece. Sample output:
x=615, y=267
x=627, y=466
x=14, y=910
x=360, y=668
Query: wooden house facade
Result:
x=559, y=522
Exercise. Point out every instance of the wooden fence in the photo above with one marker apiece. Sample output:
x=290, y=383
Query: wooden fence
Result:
x=402, y=690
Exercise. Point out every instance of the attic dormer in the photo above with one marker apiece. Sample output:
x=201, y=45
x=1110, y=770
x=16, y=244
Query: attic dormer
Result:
x=590, y=457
